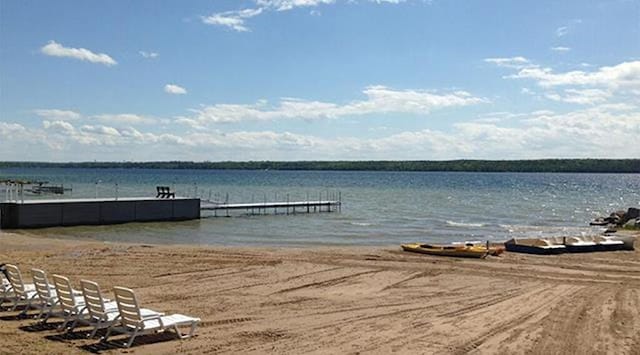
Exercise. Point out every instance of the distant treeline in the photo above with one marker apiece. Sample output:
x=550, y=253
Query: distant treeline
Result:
x=542, y=165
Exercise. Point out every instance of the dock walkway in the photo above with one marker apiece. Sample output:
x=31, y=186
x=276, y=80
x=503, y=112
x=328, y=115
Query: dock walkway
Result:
x=292, y=207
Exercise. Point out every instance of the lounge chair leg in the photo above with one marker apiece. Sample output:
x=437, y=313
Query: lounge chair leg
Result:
x=133, y=336
x=46, y=318
x=178, y=333
x=39, y=316
x=28, y=306
x=106, y=336
x=63, y=325
x=73, y=325
x=194, y=325
x=94, y=331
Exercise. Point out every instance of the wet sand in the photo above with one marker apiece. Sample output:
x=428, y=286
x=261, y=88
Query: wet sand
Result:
x=345, y=300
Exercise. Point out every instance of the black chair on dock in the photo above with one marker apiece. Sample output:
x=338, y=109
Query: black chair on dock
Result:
x=165, y=192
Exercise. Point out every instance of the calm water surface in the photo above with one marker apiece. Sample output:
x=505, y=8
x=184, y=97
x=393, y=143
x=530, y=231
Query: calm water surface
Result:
x=379, y=208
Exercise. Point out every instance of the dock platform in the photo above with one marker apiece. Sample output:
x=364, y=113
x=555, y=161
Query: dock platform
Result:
x=286, y=207
x=95, y=211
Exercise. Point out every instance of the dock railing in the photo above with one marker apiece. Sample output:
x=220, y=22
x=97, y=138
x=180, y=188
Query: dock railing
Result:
x=330, y=202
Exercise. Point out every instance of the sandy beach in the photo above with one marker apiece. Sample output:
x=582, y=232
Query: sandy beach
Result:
x=344, y=300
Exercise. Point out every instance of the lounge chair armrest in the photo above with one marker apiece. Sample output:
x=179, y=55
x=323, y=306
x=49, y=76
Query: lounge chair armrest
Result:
x=152, y=317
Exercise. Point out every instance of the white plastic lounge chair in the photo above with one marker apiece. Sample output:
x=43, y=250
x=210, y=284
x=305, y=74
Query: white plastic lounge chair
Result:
x=22, y=293
x=102, y=312
x=134, y=323
x=73, y=306
x=6, y=291
x=47, y=299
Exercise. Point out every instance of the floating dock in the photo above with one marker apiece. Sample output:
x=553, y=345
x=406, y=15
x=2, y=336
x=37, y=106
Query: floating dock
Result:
x=284, y=207
x=74, y=212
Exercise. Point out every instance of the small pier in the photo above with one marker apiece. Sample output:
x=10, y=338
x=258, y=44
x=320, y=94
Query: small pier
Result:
x=263, y=208
x=14, y=189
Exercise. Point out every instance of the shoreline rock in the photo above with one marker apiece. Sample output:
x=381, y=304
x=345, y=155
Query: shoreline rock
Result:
x=620, y=219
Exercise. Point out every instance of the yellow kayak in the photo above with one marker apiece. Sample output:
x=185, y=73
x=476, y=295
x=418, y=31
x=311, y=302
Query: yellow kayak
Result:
x=461, y=251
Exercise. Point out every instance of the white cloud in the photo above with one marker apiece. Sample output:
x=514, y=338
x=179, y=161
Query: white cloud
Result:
x=101, y=130
x=174, y=89
x=560, y=49
x=234, y=20
x=499, y=135
x=149, y=55
x=510, y=62
x=125, y=118
x=57, y=50
x=11, y=129
x=582, y=97
x=283, y=5
x=564, y=30
x=561, y=31
x=55, y=114
x=387, y=1
x=626, y=74
x=527, y=91
x=58, y=126
x=380, y=99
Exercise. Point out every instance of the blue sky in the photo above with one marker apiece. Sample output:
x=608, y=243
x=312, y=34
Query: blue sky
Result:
x=319, y=80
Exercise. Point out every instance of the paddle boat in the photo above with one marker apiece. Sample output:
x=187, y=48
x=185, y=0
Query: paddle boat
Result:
x=534, y=246
x=628, y=240
x=579, y=244
x=608, y=243
x=462, y=251
x=587, y=243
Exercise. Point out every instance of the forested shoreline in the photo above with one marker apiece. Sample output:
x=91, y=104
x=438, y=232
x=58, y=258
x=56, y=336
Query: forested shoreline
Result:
x=540, y=165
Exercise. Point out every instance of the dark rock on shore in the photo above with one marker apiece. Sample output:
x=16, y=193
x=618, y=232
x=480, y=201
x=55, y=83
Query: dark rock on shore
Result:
x=621, y=218
x=632, y=213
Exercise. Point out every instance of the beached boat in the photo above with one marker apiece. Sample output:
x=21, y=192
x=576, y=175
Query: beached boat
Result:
x=494, y=249
x=579, y=245
x=628, y=240
x=608, y=243
x=462, y=251
x=592, y=243
x=534, y=246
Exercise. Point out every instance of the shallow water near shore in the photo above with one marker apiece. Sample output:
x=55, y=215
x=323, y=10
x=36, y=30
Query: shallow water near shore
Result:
x=379, y=208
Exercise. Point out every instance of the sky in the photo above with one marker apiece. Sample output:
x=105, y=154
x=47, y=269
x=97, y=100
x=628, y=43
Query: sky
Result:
x=243, y=80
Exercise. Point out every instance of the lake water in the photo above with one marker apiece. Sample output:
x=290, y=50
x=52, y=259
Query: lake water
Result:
x=379, y=208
